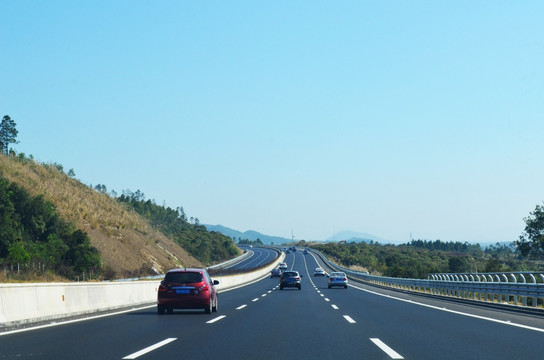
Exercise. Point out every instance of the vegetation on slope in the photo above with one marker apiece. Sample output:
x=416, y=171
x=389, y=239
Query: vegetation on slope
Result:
x=34, y=236
x=128, y=245
x=208, y=247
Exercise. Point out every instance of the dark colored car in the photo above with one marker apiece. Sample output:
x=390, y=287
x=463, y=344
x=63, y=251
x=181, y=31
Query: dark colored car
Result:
x=187, y=289
x=275, y=273
x=290, y=279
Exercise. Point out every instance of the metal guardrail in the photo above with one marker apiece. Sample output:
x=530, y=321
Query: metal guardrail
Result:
x=498, y=277
x=510, y=288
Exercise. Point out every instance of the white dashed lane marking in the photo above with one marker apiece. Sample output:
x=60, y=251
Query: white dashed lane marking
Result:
x=149, y=348
x=392, y=353
x=216, y=319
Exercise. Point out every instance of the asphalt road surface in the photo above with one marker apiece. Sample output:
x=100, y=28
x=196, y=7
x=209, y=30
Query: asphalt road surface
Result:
x=261, y=322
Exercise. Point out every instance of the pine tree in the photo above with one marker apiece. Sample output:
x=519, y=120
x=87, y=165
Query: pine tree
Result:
x=8, y=134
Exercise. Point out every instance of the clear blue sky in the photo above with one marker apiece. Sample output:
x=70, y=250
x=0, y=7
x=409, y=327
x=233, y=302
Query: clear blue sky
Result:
x=386, y=117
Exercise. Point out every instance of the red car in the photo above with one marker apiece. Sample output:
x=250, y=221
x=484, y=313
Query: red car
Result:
x=187, y=289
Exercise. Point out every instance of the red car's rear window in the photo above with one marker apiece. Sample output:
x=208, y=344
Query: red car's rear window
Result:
x=183, y=277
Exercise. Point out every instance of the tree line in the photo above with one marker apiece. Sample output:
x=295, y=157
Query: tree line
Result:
x=207, y=247
x=421, y=257
x=35, y=239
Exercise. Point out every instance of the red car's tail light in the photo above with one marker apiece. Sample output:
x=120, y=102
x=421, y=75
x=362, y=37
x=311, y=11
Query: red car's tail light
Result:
x=203, y=288
x=162, y=288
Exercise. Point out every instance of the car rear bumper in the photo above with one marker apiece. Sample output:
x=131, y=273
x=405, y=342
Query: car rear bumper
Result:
x=185, y=302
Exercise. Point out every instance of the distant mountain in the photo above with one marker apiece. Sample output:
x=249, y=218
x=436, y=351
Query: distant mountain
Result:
x=250, y=235
x=351, y=236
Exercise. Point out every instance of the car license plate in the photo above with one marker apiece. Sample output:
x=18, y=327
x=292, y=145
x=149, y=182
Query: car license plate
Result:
x=183, y=291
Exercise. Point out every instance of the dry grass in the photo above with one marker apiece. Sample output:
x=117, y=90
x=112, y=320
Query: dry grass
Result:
x=358, y=268
x=126, y=241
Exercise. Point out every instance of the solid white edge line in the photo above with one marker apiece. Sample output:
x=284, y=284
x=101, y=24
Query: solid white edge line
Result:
x=149, y=348
x=386, y=349
x=454, y=311
x=216, y=319
x=60, y=322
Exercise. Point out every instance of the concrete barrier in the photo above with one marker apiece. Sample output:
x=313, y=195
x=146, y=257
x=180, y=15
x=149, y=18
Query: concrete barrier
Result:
x=22, y=304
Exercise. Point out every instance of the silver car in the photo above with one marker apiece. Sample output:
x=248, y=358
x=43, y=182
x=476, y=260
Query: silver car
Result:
x=338, y=279
x=319, y=272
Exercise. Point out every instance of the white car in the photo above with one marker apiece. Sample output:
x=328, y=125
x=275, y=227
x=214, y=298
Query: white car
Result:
x=283, y=266
x=319, y=272
x=338, y=279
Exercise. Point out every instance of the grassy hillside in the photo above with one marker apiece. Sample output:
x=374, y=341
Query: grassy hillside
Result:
x=127, y=243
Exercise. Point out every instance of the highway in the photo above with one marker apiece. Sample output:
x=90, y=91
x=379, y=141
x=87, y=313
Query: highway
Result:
x=261, y=322
x=259, y=257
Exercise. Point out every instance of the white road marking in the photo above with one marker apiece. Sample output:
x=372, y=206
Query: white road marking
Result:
x=327, y=299
x=392, y=353
x=349, y=319
x=256, y=299
x=334, y=307
x=453, y=311
x=216, y=319
x=75, y=320
x=321, y=295
x=149, y=349
x=241, y=307
x=263, y=295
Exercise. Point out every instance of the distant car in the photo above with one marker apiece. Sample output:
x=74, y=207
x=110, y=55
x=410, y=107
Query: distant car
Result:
x=283, y=266
x=319, y=272
x=338, y=279
x=187, y=289
x=275, y=273
x=290, y=279
x=305, y=251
